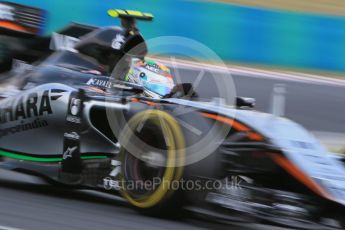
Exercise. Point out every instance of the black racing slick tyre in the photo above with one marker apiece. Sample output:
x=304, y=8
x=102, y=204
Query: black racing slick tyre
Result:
x=147, y=185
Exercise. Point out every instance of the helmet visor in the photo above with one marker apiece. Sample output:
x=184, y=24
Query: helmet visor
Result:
x=157, y=88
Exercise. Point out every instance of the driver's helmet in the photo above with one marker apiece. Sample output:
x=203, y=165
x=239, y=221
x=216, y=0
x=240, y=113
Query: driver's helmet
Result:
x=156, y=78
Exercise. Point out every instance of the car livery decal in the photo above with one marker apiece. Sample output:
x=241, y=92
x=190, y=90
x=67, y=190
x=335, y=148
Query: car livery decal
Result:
x=31, y=106
x=48, y=158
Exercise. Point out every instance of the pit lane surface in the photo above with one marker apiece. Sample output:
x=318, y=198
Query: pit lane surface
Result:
x=27, y=203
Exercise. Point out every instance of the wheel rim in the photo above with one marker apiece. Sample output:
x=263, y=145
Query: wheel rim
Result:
x=174, y=155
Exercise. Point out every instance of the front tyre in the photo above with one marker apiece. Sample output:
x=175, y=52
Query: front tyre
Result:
x=153, y=151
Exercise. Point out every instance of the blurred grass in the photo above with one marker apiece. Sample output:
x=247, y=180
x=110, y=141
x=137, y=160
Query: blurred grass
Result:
x=276, y=68
x=334, y=7
x=340, y=151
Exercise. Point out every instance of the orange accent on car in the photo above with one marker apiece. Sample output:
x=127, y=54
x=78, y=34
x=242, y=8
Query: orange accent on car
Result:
x=255, y=137
x=150, y=103
x=96, y=89
x=13, y=26
x=238, y=126
x=300, y=175
x=134, y=100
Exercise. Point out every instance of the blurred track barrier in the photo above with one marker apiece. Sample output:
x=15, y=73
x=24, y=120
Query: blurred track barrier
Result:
x=332, y=7
x=278, y=100
x=235, y=33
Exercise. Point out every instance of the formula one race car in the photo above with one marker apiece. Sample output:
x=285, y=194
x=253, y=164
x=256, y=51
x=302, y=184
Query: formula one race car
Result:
x=68, y=117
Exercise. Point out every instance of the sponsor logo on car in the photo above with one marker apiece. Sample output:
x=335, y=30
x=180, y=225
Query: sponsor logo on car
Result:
x=69, y=152
x=36, y=124
x=99, y=83
x=75, y=106
x=74, y=112
x=153, y=68
x=106, y=84
x=118, y=41
x=73, y=119
x=27, y=106
x=72, y=136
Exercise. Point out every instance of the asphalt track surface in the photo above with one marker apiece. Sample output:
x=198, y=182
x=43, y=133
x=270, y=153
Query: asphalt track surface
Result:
x=318, y=107
x=28, y=203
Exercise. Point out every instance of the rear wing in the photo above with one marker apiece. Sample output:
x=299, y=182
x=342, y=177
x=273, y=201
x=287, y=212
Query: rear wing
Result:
x=128, y=17
x=130, y=14
x=20, y=20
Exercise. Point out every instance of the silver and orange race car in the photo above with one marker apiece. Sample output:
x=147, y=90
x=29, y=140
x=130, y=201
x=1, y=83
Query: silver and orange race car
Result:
x=67, y=116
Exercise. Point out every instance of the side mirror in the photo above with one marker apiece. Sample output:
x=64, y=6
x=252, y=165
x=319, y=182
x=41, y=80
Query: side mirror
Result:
x=245, y=102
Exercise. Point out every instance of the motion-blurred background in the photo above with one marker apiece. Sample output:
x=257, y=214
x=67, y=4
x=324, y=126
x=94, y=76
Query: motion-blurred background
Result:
x=295, y=36
x=303, y=35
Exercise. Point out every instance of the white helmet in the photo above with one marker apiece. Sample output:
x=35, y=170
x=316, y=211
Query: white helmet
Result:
x=154, y=77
